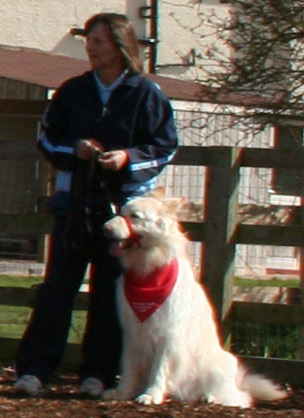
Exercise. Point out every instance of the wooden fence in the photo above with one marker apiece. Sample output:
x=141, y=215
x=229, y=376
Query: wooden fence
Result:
x=220, y=232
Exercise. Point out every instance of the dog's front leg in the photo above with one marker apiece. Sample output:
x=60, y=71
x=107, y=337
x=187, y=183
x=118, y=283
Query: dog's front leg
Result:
x=130, y=376
x=156, y=388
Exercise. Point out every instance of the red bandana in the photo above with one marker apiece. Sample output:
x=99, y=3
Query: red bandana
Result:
x=146, y=294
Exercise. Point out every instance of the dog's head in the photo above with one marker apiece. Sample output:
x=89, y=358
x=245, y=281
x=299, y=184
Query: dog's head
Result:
x=145, y=224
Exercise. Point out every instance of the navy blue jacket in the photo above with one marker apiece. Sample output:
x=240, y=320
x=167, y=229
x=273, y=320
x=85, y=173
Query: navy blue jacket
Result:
x=137, y=118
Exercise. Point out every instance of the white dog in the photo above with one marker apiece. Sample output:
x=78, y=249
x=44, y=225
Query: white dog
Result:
x=171, y=346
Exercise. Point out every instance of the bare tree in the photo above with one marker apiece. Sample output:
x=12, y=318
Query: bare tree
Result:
x=265, y=39
x=251, y=56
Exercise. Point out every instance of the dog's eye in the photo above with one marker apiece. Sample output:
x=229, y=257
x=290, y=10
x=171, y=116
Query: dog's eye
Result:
x=135, y=215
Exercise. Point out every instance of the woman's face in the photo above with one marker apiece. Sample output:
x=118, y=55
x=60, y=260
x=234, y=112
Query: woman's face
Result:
x=101, y=50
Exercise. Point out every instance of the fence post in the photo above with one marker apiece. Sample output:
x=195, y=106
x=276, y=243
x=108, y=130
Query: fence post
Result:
x=301, y=262
x=290, y=182
x=221, y=220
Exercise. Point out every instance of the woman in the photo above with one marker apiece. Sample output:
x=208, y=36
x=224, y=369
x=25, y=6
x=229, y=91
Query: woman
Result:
x=108, y=132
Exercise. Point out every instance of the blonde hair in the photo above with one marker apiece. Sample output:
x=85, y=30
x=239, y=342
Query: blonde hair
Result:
x=122, y=34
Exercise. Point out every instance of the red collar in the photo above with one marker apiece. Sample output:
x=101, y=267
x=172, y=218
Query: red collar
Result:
x=146, y=294
x=134, y=238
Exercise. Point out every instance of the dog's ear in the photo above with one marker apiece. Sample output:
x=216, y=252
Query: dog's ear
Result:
x=175, y=205
x=183, y=209
x=180, y=207
x=157, y=193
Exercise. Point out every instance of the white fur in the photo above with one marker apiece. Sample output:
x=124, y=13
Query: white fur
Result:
x=176, y=352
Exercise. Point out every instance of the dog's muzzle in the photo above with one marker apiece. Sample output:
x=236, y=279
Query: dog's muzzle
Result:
x=121, y=244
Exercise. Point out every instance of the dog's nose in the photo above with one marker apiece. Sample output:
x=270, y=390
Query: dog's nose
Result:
x=108, y=230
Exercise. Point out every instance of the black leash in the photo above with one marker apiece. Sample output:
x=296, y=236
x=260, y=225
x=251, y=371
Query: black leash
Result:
x=91, y=207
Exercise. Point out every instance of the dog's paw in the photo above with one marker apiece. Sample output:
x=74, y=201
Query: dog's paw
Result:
x=147, y=399
x=144, y=399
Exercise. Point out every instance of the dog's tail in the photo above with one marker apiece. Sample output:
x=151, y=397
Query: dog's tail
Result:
x=261, y=388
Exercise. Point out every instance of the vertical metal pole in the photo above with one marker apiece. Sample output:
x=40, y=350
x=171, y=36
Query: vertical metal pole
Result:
x=154, y=35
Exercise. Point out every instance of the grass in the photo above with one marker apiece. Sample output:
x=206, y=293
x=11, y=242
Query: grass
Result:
x=13, y=319
x=273, y=282
x=19, y=281
x=266, y=340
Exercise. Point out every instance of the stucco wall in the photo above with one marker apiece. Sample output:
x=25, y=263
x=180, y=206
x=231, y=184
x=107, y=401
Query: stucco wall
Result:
x=190, y=25
x=45, y=25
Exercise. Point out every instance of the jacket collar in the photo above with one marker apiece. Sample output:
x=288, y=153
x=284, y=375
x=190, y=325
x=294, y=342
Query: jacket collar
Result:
x=131, y=80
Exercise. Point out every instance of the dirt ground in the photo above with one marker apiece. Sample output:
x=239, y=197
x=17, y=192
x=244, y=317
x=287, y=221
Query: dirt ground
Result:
x=62, y=400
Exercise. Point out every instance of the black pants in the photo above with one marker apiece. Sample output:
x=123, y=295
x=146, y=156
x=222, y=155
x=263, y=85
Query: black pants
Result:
x=41, y=349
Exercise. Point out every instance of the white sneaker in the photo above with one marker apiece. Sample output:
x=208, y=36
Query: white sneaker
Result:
x=92, y=387
x=28, y=384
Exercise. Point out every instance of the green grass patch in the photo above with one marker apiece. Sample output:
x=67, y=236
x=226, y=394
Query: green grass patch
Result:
x=19, y=281
x=273, y=282
x=265, y=340
x=14, y=319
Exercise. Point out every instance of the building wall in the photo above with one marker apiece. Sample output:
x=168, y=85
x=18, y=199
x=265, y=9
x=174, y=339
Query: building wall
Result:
x=45, y=25
x=187, y=34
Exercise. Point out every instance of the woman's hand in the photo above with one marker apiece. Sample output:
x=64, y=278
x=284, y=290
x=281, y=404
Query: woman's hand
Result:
x=86, y=148
x=114, y=160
